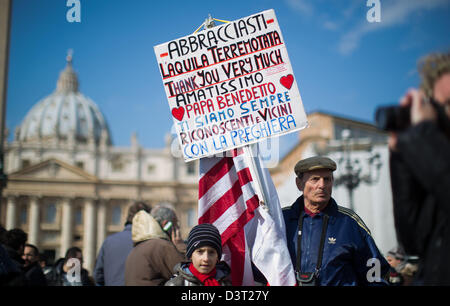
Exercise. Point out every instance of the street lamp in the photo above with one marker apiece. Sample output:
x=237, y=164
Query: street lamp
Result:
x=352, y=175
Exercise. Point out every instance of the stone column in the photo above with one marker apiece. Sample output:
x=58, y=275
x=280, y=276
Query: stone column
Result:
x=101, y=223
x=89, y=236
x=11, y=213
x=67, y=226
x=33, y=236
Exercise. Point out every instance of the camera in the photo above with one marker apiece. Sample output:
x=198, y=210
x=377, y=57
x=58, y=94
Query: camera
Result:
x=393, y=118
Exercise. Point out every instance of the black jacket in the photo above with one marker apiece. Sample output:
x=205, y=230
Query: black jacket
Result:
x=34, y=275
x=11, y=273
x=420, y=178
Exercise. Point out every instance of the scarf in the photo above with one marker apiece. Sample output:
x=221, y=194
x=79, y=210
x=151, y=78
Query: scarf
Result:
x=206, y=279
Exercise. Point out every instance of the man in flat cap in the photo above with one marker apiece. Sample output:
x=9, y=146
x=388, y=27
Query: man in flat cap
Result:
x=329, y=245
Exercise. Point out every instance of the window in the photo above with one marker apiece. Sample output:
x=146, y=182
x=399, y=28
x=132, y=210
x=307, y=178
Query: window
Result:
x=117, y=162
x=25, y=163
x=116, y=215
x=191, y=168
x=50, y=213
x=78, y=216
x=191, y=217
x=151, y=168
x=23, y=215
x=79, y=164
x=117, y=166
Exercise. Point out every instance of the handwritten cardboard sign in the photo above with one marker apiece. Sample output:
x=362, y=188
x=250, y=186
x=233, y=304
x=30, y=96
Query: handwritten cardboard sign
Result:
x=230, y=86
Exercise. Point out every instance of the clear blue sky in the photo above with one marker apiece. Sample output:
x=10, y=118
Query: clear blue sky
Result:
x=343, y=64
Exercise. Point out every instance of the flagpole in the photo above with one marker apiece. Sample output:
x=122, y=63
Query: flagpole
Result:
x=255, y=170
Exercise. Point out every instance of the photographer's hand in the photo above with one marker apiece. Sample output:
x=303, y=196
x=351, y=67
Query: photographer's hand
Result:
x=421, y=110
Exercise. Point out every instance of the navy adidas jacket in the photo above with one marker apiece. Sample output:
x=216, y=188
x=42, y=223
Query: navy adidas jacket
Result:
x=350, y=255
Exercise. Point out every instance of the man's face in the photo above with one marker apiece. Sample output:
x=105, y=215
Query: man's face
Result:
x=441, y=92
x=316, y=186
x=29, y=256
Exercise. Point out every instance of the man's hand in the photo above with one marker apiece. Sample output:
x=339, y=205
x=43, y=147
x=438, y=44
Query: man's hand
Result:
x=176, y=235
x=421, y=110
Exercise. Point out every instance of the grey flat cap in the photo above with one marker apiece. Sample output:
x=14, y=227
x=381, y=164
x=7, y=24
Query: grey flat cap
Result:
x=314, y=163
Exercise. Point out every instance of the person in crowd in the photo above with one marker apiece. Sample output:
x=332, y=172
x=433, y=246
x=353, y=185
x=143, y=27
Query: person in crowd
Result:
x=328, y=244
x=420, y=172
x=31, y=267
x=14, y=242
x=402, y=271
x=69, y=271
x=11, y=273
x=204, y=249
x=110, y=264
x=44, y=263
x=158, y=247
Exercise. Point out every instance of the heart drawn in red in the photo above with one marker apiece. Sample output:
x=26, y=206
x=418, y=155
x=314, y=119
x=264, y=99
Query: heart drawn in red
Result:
x=178, y=113
x=287, y=81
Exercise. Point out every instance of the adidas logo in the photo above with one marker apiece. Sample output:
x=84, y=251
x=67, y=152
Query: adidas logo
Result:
x=331, y=240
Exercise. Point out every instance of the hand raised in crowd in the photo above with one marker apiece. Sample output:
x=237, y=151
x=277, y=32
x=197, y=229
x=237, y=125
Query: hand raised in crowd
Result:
x=176, y=235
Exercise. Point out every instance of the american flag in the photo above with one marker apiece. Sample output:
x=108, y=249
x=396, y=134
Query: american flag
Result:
x=227, y=199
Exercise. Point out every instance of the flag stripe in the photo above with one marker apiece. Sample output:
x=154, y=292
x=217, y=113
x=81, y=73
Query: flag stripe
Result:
x=218, y=208
x=216, y=191
x=234, y=211
x=237, y=250
x=244, y=218
x=213, y=175
x=220, y=191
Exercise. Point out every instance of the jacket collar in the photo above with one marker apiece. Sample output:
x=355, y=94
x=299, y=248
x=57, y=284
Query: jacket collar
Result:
x=222, y=271
x=299, y=206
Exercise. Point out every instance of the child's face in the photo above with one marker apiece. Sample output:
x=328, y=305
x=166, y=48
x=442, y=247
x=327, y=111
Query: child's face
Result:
x=205, y=259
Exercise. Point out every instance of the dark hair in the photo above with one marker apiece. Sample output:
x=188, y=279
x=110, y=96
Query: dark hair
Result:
x=72, y=253
x=43, y=257
x=135, y=208
x=35, y=249
x=15, y=238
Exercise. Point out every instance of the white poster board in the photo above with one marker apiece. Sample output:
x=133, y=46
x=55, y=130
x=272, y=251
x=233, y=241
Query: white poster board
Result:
x=230, y=86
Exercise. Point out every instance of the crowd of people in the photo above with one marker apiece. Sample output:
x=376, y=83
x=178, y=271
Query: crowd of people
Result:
x=150, y=252
x=328, y=244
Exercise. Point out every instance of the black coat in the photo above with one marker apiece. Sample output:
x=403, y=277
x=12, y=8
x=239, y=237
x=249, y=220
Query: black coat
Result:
x=420, y=177
x=34, y=275
x=11, y=273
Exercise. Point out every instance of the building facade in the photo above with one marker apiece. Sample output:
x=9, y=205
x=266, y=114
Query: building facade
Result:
x=69, y=186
